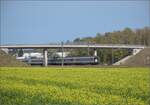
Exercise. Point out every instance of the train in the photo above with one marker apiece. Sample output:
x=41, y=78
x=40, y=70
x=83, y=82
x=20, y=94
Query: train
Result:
x=93, y=60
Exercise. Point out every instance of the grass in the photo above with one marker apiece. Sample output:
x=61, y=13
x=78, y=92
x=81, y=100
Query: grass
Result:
x=7, y=60
x=74, y=86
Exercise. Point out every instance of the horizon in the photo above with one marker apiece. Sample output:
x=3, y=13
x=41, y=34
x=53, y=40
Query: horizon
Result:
x=41, y=22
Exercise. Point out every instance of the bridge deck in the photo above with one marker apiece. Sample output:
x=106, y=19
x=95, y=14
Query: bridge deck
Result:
x=75, y=46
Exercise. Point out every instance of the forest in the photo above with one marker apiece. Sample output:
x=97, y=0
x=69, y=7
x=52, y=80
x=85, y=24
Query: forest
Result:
x=109, y=56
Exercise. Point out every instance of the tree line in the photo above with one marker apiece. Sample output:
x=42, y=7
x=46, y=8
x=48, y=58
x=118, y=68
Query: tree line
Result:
x=109, y=56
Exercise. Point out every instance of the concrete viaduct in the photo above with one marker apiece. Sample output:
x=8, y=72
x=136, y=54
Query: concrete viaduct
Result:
x=71, y=46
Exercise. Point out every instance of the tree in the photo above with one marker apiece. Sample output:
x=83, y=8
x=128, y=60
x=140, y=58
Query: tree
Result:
x=20, y=53
x=76, y=40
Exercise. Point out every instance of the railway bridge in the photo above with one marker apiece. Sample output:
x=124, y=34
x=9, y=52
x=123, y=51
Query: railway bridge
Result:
x=45, y=47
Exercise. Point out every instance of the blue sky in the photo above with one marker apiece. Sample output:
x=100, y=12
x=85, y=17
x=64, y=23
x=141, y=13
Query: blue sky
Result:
x=36, y=22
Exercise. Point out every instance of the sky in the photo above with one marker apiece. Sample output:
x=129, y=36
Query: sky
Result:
x=43, y=22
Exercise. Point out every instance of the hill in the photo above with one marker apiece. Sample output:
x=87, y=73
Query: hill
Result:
x=140, y=59
x=7, y=60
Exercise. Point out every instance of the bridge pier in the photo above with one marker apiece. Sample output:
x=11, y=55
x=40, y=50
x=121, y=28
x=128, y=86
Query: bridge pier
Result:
x=95, y=52
x=62, y=49
x=45, y=61
x=112, y=56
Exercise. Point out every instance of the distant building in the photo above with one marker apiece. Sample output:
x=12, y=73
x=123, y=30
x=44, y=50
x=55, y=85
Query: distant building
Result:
x=31, y=55
x=59, y=54
x=28, y=55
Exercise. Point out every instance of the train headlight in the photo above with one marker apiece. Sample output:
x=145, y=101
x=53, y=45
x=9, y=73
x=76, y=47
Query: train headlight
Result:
x=96, y=60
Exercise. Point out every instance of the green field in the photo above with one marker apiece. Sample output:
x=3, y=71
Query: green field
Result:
x=74, y=86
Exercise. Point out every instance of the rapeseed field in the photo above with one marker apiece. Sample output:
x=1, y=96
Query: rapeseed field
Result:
x=74, y=86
